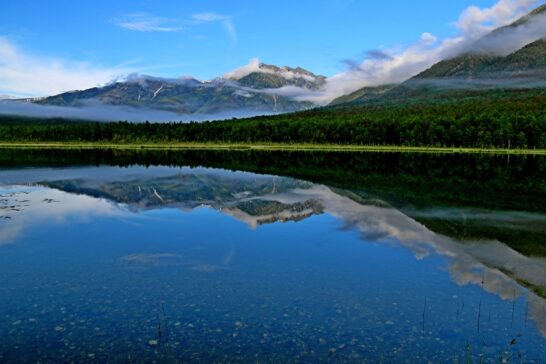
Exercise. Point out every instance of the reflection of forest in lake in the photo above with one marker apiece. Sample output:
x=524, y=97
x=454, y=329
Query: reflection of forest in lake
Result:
x=494, y=246
x=461, y=185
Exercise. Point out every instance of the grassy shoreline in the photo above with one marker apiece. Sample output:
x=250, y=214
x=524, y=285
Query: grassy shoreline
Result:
x=272, y=147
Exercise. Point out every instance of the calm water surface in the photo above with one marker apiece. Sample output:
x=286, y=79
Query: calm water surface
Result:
x=177, y=264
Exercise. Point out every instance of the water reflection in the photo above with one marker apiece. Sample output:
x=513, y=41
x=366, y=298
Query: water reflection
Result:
x=24, y=206
x=260, y=201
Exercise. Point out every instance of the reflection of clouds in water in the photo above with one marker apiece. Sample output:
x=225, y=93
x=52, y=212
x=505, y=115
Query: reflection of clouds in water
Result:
x=375, y=223
x=42, y=205
x=150, y=260
x=466, y=271
x=492, y=262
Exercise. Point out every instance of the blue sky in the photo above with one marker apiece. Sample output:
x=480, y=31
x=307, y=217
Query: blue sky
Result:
x=207, y=38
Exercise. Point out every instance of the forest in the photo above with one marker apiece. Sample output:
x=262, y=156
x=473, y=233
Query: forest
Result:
x=499, y=119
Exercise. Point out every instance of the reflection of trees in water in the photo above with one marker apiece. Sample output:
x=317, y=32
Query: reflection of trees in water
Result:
x=472, y=180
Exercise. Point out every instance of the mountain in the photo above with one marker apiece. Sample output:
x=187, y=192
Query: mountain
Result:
x=190, y=96
x=530, y=61
x=268, y=76
x=489, y=64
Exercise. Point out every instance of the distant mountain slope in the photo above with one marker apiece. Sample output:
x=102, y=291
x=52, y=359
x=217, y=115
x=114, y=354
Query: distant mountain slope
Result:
x=530, y=57
x=468, y=66
x=190, y=96
x=362, y=95
x=476, y=65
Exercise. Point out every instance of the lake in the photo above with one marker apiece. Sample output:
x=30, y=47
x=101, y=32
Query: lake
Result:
x=246, y=256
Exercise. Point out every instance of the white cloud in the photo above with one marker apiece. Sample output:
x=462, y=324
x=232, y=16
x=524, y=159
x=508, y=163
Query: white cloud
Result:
x=252, y=66
x=227, y=23
x=477, y=20
x=144, y=22
x=23, y=74
x=209, y=17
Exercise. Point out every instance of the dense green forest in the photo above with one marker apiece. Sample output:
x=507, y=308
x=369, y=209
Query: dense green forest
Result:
x=501, y=119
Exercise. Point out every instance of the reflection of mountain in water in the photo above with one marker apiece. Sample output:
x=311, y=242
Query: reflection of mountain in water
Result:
x=241, y=197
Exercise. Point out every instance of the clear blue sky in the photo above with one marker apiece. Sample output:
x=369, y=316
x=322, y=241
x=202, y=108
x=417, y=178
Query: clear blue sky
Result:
x=207, y=38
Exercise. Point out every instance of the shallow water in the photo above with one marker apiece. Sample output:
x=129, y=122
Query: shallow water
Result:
x=208, y=265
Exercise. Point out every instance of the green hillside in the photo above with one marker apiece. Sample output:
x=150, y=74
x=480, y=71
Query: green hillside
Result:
x=363, y=95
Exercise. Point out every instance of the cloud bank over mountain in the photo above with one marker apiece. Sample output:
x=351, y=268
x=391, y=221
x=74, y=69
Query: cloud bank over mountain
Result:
x=395, y=65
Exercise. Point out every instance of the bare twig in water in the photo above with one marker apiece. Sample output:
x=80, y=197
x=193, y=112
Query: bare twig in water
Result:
x=513, y=308
x=424, y=315
x=480, y=304
x=479, y=315
x=526, y=313
x=159, y=328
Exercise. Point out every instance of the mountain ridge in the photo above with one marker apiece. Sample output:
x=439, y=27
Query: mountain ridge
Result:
x=191, y=96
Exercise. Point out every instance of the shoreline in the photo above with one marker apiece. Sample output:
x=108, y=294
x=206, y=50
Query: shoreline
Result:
x=272, y=147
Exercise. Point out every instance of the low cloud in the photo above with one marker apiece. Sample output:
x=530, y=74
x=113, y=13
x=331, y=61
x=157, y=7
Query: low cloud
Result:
x=94, y=110
x=91, y=111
